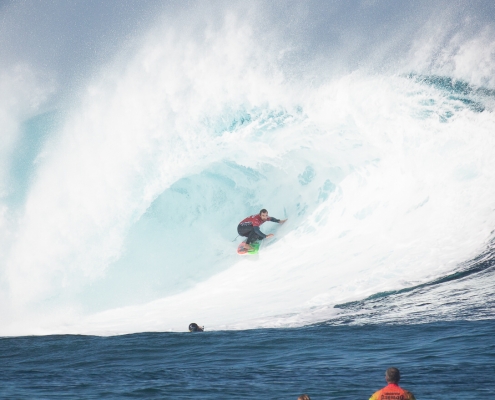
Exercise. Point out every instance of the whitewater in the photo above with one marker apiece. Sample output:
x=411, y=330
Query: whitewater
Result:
x=120, y=198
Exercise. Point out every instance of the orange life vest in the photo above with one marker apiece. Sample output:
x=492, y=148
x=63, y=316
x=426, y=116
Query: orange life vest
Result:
x=392, y=392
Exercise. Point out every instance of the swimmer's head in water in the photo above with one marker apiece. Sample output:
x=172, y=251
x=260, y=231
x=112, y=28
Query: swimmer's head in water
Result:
x=195, y=328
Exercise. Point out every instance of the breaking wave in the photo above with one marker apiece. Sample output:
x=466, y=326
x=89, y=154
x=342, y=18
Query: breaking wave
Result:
x=119, y=211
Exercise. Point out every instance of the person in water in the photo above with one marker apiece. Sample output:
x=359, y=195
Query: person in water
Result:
x=250, y=227
x=193, y=327
x=304, y=397
x=392, y=390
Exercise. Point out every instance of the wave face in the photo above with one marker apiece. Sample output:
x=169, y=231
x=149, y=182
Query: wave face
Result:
x=120, y=197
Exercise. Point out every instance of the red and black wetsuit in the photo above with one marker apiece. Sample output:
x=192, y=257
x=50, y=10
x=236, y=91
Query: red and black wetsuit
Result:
x=250, y=227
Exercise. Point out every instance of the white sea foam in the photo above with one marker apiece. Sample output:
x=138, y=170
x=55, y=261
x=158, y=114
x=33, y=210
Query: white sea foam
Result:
x=387, y=181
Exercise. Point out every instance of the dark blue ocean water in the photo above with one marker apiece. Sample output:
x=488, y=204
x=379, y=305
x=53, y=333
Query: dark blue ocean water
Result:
x=438, y=361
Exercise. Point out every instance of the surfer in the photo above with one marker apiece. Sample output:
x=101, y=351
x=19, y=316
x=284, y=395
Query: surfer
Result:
x=392, y=390
x=250, y=227
x=193, y=327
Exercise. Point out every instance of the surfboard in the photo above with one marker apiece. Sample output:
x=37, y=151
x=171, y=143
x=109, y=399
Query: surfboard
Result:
x=255, y=248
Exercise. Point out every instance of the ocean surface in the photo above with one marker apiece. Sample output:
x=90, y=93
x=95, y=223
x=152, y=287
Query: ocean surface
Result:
x=135, y=136
x=437, y=361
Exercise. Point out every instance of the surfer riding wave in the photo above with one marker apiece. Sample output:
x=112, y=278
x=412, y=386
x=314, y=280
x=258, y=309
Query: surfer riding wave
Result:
x=250, y=227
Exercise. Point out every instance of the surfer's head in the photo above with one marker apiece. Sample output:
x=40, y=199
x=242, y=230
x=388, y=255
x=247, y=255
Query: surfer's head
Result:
x=264, y=214
x=392, y=375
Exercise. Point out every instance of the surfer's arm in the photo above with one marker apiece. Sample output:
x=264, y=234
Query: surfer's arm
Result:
x=280, y=221
x=258, y=232
x=261, y=234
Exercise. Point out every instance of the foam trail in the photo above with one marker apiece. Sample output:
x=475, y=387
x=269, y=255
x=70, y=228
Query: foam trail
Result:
x=387, y=180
